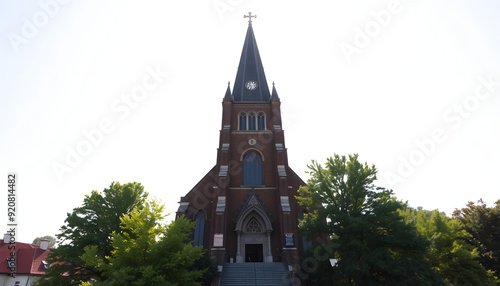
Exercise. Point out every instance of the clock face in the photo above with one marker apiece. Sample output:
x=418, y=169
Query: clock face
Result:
x=251, y=85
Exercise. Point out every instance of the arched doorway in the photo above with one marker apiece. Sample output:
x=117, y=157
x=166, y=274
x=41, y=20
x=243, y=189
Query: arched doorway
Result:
x=254, y=238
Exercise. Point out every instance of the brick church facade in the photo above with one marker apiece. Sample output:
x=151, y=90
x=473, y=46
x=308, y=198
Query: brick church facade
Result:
x=245, y=207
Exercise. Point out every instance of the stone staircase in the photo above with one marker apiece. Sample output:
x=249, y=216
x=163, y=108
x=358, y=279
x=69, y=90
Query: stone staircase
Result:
x=257, y=273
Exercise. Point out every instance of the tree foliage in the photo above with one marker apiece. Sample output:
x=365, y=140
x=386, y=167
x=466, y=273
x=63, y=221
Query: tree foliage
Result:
x=146, y=252
x=372, y=243
x=93, y=223
x=483, y=225
x=449, y=253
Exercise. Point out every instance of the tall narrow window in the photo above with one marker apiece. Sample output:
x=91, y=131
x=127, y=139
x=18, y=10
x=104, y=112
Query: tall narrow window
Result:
x=243, y=121
x=306, y=244
x=251, y=121
x=252, y=170
x=199, y=228
x=261, y=121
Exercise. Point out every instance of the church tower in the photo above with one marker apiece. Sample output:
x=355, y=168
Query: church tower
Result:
x=245, y=207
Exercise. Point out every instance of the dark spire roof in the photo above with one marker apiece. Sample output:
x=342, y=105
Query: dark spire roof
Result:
x=274, y=95
x=250, y=84
x=227, y=96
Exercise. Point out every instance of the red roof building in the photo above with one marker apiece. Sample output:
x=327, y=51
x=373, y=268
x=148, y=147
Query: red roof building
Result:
x=22, y=263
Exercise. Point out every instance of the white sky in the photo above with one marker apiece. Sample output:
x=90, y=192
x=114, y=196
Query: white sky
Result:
x=68, y=74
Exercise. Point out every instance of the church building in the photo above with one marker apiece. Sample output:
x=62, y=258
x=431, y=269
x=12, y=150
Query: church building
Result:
x=245, y=207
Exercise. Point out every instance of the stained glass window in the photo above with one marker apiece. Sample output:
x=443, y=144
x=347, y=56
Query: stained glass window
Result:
x=199, y=228
x=251, y=121
x=306, y=244
x=243, y=121
x=261, y=121
x=252, y=170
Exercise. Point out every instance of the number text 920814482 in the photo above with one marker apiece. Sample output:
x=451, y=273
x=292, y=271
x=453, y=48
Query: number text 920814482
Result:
x=12, y=223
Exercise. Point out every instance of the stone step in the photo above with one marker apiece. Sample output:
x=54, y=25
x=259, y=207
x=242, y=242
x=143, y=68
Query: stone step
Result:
x=257, y=273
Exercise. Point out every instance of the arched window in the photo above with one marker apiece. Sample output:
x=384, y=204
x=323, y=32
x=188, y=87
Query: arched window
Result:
x=199, y=228
x=252, y=170
x=243, y=121
x=261, y=121
x=251, y=121
x=306, y=244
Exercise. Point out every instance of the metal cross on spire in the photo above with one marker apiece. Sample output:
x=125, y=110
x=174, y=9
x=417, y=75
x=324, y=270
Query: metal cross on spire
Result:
x=250, y=17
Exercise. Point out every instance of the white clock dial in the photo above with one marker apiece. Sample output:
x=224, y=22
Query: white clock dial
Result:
x=251, y=85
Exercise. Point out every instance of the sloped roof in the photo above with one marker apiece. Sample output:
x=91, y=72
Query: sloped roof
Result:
x=29, y=258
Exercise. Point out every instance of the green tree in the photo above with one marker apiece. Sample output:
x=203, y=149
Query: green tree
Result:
x=52, y=240
x=371, y=242
x=93, y=223
x=146, y=252
x=449, y=253
x=483, y=225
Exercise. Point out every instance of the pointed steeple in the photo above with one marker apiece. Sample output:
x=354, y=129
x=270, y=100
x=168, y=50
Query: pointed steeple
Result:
x=250, y=84
x=274, y=95
x=228, y=92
